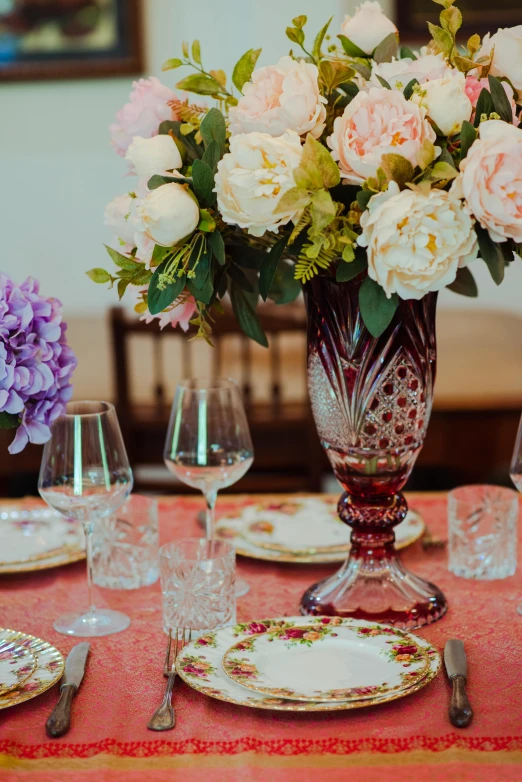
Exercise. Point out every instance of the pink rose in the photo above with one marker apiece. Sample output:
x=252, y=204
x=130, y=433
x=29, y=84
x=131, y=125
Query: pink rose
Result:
x=257, y=627
x=279, y=98
x=148, y=108
x=491, y=180
x=376, y=123
x=475, y=86
x=294, y=632
x=180, y=314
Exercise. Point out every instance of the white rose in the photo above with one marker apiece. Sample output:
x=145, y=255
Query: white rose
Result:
x=446, y=102
x=368, y=27
x=116, y=216
x=281, y=97
x=167, y=215
x=399, y=73
x=416, y=242
x=253, y=176
x=507, y=58
x=153, y=155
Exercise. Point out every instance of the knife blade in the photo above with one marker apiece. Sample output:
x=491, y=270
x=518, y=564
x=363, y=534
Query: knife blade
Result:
x=460, y=711
x=60, y=719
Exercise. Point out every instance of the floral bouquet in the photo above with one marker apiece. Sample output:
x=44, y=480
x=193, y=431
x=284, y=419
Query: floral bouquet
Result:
x=352, y=157
x=36, y=364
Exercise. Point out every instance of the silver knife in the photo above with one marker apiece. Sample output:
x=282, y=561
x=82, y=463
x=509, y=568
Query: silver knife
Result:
x=60, y=719
x=460, y=711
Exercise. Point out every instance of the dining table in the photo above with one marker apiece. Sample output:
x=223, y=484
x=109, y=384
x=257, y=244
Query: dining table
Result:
x=409, y=739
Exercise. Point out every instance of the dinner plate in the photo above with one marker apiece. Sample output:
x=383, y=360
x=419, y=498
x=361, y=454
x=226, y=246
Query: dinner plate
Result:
x=49, y=667
x=37, y=538
x=200, y=665
x=292, y=531
x=16, y=665
x=326, y=663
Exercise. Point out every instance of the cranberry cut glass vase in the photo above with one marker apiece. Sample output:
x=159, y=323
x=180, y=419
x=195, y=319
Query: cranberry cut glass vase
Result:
x=371, y=399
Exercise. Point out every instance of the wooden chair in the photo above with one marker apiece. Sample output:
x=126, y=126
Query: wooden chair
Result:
x=285, y=442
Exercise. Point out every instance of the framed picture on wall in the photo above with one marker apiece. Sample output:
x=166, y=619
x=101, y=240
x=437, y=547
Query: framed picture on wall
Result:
x=480, y=16
x=69, y=39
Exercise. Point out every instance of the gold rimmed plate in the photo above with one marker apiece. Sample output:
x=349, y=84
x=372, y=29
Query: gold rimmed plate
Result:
x=17, y=663
x=49, y=667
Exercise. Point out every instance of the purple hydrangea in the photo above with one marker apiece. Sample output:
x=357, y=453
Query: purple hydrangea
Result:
x=36, y=364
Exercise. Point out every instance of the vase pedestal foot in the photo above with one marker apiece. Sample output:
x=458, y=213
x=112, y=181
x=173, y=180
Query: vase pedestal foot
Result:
x=377, y=587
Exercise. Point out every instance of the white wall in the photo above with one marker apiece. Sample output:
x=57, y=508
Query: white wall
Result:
x=58, y=170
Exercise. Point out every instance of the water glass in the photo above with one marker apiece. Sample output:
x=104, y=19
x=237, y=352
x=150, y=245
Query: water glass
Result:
x=198, y=584
x=126, y=546
x=482, y=524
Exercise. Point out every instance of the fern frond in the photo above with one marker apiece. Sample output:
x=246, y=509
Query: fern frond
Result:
x=307, y=268
x=303, y=222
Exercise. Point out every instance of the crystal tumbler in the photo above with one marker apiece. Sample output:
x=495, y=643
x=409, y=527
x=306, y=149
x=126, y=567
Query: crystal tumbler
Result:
x=126, y=546
x=198, y=584
x=482, y=523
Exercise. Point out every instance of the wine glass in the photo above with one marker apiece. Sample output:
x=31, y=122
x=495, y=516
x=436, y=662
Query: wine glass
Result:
x=516, y=471
x=208, y=443
x=85, y=475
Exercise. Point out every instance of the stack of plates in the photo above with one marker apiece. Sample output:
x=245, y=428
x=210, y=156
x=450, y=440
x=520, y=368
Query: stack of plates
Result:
x=308, y=664
x=37, y=538
x=306, y=530
x=28, y=667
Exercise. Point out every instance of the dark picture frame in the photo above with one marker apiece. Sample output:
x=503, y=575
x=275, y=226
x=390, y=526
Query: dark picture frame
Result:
x=123, y=58
x=480, y=16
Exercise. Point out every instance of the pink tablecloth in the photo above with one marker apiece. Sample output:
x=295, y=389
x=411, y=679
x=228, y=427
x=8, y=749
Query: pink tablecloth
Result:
x=409, y=739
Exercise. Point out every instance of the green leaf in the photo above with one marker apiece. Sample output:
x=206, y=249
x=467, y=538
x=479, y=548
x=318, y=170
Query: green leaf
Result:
x=351, y=49
x=203, y=294
x=408, y=90
x=364, y=197
x=268, y=269
x=442, y=38
x=206, y=221
x=212, y=155
x=383, y=82
x=201, y=84
x=217, y=244
x=196, y=52
x=387, y=49
x=464, y=283
x=122, y=287
x=296, y=35
x=468, y=136
x=158, y=299
x=397, y=168
x=99, y=275
x=169, y=65
x=142, y=277
x=319, y=38
x=451, y=20
x=347, y=271
x=158, y=254
x=323, y=210
x=244, y=68
x=500, y=99
x=186, y=144
x=317, y=168
x=157, y=180
x=200, y=267
x=246, y=316
x=485, y=106
x=446, y=157
x=213, y=128
x=294, y=199
x=239, y=277
x=491, y=254
x=406, y=52
x=8, y=420
x=350, y=88
x=285, y=288
x=121, y=260
x=300, y=21
x=441, y=172
x=203, y=179
x=377, y=310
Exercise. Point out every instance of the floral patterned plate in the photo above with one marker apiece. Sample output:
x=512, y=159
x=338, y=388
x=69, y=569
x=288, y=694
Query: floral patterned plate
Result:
x=326, y=663
x=16, y=665
x=49, y=667
x=37, y=538
x=200, y=664
x=301, y=530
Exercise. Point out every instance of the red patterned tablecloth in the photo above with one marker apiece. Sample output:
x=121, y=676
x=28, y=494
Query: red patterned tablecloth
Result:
x=409, y=739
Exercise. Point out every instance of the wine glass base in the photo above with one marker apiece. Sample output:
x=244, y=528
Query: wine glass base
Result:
x=519, y=609
x=242, y=587
x=92, y=625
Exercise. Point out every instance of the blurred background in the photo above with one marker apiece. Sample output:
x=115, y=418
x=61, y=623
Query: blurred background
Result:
x=66, y=67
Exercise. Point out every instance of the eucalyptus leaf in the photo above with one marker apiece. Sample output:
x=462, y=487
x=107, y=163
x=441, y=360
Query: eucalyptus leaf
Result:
x=347, y=271
x=408, y=90
x=500, y=99
x=268, y=269
x=406, y=52
x=159, y=299
x=285, y=288
x=387, y=49
x=246, y=316
x=238, y=276
x=491, y=254
x=383, y=82
x=468, y=136
x=464, y=284
x=203, y=179
x=213, y=128
x=364, y=197
x=217, y=244
x=377, y=310
x=212, y=155
x=244, y=68
x=485, y=106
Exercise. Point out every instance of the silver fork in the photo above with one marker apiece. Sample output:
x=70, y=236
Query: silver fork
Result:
x=164, y=718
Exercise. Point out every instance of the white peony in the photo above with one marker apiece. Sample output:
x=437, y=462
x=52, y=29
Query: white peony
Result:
x=166, y=216
x=368, y=27
x=154, y=155
x=399, y=73
x=416, y=242
x=116, y=216
x=446, y=102
x=507, y=58
x=253, y=176
x=279, y=98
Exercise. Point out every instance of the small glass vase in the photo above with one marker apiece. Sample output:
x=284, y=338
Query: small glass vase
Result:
x=371, y=400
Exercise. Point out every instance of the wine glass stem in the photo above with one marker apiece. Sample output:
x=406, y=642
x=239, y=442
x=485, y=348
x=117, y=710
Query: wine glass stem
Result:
x=210, y=519
x=87, y=528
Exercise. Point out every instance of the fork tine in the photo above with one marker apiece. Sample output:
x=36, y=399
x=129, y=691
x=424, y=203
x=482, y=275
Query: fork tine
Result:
x=166, y=665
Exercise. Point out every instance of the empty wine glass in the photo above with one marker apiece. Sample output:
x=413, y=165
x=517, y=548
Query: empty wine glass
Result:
x=85, y=475
x=208, y=443
x=516, y=471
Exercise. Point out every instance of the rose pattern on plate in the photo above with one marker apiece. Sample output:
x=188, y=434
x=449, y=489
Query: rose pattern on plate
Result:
x=197, y=667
